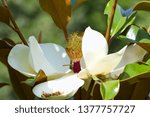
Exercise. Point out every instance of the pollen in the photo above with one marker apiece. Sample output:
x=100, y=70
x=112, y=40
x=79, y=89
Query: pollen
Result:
x=74, y=47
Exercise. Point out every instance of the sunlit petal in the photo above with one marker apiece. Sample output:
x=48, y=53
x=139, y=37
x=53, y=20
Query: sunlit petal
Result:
x=133, y=53
x=18, y=59
x=94, y=45
x=67, y=85
x=104, y=65
x=38, y=59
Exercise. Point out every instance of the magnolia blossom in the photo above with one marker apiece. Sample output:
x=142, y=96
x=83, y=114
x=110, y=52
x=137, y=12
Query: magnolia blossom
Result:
x=50, y=58
x=99, y=62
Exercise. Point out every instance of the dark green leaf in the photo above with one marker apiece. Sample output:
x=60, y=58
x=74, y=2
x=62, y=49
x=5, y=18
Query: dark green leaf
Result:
x=3, y=84
x=118, y=20
x=139, y=36
x=109, y=89
x=4, y=15
x=143, y=5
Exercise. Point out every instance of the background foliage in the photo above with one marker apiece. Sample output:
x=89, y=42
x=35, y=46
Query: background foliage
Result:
x=32, y=20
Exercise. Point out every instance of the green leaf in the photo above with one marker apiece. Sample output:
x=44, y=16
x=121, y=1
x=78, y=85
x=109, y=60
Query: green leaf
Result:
x=109, y=89
x=135, y=70
x=3, y=84
x=118, y=20
x=139, y=36
x=60, y=11
x=148, y=62
x=143, y=5
x=4, y=15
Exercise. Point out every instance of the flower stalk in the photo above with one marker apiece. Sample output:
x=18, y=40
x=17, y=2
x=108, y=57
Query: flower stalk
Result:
x=15, y=28
x=108, y=31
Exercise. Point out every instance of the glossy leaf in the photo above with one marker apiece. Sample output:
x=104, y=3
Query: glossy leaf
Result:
x=109, y=89
x=139, y=36
x=60, y=11
x=122, y=18
x=4, y=15
x=135, y=70
x=143, y=5
x=129, y=21
x=118, y=20
x=3, y=84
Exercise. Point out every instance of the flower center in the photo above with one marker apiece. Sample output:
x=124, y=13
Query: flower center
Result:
x=74, y=51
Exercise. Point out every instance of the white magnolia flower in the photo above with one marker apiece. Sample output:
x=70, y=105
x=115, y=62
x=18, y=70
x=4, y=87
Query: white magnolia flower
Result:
x=50, y=58
x=99, y=62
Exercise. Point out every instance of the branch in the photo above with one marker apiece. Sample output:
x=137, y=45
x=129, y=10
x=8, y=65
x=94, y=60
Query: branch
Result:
x=107, y=36
x=16, y=28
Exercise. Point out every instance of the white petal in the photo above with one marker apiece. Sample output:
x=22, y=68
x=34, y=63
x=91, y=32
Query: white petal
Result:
x=94, y=45
x=103, y=66
x=56, y=56
x=68, y=85
x=133, y=53
x=18, y=59
x=38, y=59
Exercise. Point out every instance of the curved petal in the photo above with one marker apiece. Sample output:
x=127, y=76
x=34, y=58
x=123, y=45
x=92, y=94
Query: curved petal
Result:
x=18, y=59
x=103, y=66
x=67, y=86
x=133, y=53
x=94, y=45
x=38, y=59
x=56, y=56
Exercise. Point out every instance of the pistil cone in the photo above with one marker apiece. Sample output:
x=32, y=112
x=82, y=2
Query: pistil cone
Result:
x=74, y=51
x=73, y=48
